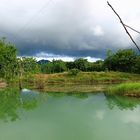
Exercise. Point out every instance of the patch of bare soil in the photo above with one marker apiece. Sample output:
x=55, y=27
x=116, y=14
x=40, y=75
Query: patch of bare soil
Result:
x=2, y=84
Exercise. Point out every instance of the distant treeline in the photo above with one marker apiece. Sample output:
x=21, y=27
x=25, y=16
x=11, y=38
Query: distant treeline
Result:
x=125, y=60
x=81, y=64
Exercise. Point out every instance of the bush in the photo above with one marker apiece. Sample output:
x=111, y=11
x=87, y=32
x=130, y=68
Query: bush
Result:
x=74, y=72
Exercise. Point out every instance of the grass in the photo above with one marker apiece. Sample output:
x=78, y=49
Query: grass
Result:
x=89, y=78
x=82, y=82
x=125, y=89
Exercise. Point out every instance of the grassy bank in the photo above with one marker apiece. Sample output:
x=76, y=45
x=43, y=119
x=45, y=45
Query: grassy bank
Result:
x=126, y=89
x=71, y=88
x=88, y=78
x=84, y=81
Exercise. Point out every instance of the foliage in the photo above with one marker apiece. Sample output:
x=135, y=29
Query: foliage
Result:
x=136, y=66
x=125, y=60
x=122, y=60
x=74, y=72
x=29, y=65
x=8, y=60
x=96, y=66
x=70, y=65
x=56, y=66
x=81, y=64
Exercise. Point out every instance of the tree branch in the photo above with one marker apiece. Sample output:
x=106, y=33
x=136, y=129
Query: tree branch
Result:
x=132, y=28
x=123, y=25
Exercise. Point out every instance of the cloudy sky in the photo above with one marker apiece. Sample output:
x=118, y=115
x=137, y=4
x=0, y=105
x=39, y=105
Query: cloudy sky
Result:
x=68, y=28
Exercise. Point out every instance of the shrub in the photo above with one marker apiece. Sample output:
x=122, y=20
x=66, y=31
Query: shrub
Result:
x=74, y=72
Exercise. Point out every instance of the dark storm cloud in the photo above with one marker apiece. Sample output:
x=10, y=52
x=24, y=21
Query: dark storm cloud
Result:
x=66, y=27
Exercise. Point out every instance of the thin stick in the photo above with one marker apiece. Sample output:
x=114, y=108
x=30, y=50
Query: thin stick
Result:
x=123, y=25
x=132, y=28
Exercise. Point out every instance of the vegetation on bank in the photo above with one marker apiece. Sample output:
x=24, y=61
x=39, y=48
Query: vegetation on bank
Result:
x=125, y=89
x=27, y=72
x=88, y=78
x=125, y=60
x=83, y=81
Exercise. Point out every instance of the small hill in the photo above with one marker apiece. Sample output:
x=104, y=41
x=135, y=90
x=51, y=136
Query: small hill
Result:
x=43, y=61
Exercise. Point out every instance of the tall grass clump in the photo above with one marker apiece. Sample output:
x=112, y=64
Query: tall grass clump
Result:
x=126, y=89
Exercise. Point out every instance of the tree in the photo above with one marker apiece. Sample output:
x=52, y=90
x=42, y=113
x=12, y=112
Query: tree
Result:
x=122, y=60
x=98, y=66
x=8, y=60
x=59, y=66
x=70, y=65
x=55, y=66
x=81, y=64
x=136, y=67
x=29, y=65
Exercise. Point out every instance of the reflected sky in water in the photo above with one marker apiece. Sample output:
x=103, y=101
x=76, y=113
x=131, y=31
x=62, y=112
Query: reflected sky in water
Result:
x=58, y=116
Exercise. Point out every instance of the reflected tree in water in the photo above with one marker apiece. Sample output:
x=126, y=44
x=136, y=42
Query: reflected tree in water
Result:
x=74, y=94
x=122, y=102
x=12, y=100
x=9, y=104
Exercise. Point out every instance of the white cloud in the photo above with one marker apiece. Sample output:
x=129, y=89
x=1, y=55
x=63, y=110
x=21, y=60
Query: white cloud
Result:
x=98, y=31
x=92, y=59
x=131, y=116
x=50, y=57
x=100, y=114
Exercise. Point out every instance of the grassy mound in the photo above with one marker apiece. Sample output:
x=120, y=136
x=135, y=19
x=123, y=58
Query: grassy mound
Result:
x=126, y=89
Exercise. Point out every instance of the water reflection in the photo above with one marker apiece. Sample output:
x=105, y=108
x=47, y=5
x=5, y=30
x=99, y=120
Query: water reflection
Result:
x=123, y=103
x=12, y=100
x=74, y=94
x=68, y=116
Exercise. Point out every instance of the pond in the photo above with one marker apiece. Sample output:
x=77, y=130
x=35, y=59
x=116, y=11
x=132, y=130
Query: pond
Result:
x=30, y=115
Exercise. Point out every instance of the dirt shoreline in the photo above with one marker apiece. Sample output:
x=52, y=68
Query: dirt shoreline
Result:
x=3, y=85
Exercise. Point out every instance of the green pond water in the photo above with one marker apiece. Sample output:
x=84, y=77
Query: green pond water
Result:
x=30, y=115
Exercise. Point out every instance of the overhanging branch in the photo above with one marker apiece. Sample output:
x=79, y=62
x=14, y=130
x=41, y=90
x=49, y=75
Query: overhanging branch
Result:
x=124, y=26
x=132, y=28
